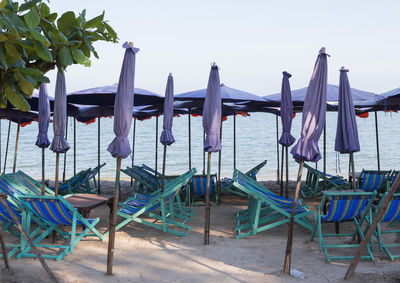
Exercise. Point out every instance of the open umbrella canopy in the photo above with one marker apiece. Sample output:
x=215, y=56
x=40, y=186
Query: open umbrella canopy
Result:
x=44, y=117
x=390, y=100
x=105, y=95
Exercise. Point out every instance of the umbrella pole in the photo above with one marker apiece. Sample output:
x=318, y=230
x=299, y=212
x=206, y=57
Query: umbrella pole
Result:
x=277, y=150
x=74, y=146
x=353, y=171
x=113, y=221
x=163, y=168
x=190, y=141
x=133, y=145
x=377, y=140
x=281, y=176
x=287, y=172
x=204, y=154
x=43, y=178
x=0, y=145
x=56, y=180
x=8, y=141
x=207, y=206
x=289, y=243
x=324, y=184
x=156, y=161
x=234, y=142
x=219, y=167
x=65, y=154
x=98, y=155
x=16, y=147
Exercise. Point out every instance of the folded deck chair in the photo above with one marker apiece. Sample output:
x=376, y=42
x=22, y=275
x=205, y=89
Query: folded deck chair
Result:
x=314, y=184
x=159, y=207
x=198, y=188
x=265, y=210
x=72, y=184
x=145, y=182
x=226, y=183
x=374, y=180
x=344, y=206
x=89, y=179
x=57, y=211
x=26, y=181
x=151, y=170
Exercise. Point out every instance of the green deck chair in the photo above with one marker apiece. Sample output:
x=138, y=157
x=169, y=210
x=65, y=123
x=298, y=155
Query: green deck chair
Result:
x=265, y=210
x=159, y=207
x=197, y=190
x=227, y=183
x=89, y=179
x=374, y=180
x=57, y=211
x=26, y=181
x=72, y=184
x=344, y=206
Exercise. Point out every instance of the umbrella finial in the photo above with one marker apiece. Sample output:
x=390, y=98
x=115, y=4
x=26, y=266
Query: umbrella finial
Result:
x=322, y=50
x=286, y=74
x=170, y=74
x=130, y=44
x=214, y=64
x=343, y=69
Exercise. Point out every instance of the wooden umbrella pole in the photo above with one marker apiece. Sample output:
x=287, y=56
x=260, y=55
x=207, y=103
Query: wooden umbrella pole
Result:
x=234, y=142
x=281, y=176
x=113, y=221
x=74, y=146
x=16, y=147
x=156, y=157
x=133, y=145
x=377, y=140
x=287, y=172
x=43, y=177
x=378, y=217
x=98, y=156
x=277, y=150
x=289, y=243
x=324, y=183
x=65, y=154
x=8, y=142
x=219, y=167
x=207, y=206
x=3, y=248
x=56, y=179
x=353, y=171
x=190, y=141
x=163, y=168
x=204, y=154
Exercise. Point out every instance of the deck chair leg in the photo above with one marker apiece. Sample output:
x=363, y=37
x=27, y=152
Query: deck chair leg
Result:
x=163, y=216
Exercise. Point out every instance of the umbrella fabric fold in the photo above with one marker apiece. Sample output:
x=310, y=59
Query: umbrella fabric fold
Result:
x=212, y=113
x=167, y=137
x=44, y=117
x=346, y=131
x=59, y=144
x=286, y=138
x=314, y=111
x=123, y=105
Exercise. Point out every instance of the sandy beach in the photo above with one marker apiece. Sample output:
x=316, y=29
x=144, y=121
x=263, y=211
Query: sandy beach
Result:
x=148, y=255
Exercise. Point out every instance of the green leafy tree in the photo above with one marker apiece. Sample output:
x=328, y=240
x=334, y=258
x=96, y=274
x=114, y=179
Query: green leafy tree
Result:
x=33, y=41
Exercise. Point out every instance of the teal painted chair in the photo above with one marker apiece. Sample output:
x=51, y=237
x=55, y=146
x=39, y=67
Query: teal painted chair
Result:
x=26, y=181
x=89, y=183
x=344, y=206
x=266, y=210
x=144, y=181
x=159, y=207
x=9, y=225
x=374, y=180
x=58, y=212
x=72, y=184
x=196, y=193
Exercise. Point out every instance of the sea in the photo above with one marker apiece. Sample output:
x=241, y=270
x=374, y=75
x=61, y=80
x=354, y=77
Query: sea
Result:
x=255, y=141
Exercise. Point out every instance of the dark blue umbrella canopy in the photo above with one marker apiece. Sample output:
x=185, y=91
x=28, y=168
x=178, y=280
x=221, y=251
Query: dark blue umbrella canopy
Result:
x=390, y=100
x=286, y=112
x=123, y=105
x=212, y=112
x=314, y=112
x=166, y=136
x=44, y=117
x=59, y=144
x=105, y=95
x=346, y=131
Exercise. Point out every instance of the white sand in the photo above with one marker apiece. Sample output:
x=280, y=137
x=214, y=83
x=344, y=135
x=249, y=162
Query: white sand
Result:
x=144, y=254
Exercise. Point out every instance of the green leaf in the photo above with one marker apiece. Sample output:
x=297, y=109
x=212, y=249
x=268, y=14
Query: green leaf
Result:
x=3, y=100
x=16, y=99
x=11, y=51
x=52, y=17
x=94, y=22
x=30, y=72
x=39, y=37
x=3, y=37
x=80, y=58
x=28, y=5
x=3, y=57
x=67, y=22
x=26, y=87
x=111, y=32
x=32, y=19
x=44, y=10
x=65, y=56
x=60, y=36
x=42, y=51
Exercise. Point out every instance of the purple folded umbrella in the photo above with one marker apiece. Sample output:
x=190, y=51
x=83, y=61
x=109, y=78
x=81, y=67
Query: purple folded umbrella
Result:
x=59, y=144
x=314, y=111
x=346, y=131
x=123, y=105
x=212, y=112
x=44, y=117
x=166, y=136
x=286, y=112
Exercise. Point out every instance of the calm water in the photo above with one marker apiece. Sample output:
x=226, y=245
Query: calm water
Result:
x=256, y=141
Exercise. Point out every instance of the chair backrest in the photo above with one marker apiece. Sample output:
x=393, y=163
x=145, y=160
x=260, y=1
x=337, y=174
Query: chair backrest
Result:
x=373, y=180
x=5, y=216
x=346, y=205
x=143, y=176
x=23, y=179
x=198, y=184
x=393, y=210
x=254, y=171
x=151, y=170
x=393, y=177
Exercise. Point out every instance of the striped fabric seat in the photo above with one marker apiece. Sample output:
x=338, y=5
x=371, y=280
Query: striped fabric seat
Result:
x=345, y=207
x=5, y=217
x=23, y=179
x=373, y=180
x=393, y=177
x=199, y=185
x=393, y=211
x=6, y=187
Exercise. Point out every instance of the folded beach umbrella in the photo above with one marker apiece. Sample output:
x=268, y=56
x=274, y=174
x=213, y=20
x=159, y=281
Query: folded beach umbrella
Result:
x=59, y=144
x=44, y=121
x=313, y=122
x=212, y=125
x=346, y=131
x=119, y=147
x=286, y=138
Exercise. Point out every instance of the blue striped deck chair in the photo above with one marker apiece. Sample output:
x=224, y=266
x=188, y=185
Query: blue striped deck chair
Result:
x=89, y=184
x=266, y=210
x=226, y=183
x=145, y=182
x=374, y=180
x=344, y=206
x=58, y=212
x=159, y=207
x=151, y=170
x=72, y=184
x=391, y=215
x=8, y=225
x=26, y=181
x=392, y=178
x=198, y=188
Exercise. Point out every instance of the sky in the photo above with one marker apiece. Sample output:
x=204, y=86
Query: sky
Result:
x=251, y=41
